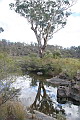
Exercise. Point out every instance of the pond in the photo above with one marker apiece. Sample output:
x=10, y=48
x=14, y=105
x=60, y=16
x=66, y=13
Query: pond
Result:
x=38, y=94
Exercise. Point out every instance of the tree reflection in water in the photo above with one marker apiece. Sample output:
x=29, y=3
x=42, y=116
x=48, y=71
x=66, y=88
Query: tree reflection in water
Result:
x=42, y=102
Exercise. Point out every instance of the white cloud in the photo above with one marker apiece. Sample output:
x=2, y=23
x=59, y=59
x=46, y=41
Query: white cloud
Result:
x=17, y=28
x=70, y=35
x=76, y=7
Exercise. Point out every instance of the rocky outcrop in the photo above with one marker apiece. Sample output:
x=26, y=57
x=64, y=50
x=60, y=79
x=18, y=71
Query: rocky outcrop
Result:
x=63, y=75
x=63, y=91
x=75, y=92
x=58, y=81
x=72, y=92
x=38, y=116
x=42, y=116
x=67, y=89
x=77, y=77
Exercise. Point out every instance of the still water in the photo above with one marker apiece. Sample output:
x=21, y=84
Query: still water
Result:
x=34, y=91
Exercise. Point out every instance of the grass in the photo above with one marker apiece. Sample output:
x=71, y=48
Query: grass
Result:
x=52, y=66
x=12, y=109
x=48, y=65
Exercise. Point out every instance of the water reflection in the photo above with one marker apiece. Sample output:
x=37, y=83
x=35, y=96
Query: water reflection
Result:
x=72, y=111
x=42, y=101
x=39, y=95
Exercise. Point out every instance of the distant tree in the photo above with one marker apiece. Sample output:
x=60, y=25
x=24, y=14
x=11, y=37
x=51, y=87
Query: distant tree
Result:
x=1, y=29
x=45, y=16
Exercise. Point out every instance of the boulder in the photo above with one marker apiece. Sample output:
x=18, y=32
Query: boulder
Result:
x=63, y=76
x=72, y=92
x=39, y=73
x=77, y=77
x=58, y=81
x=75, y=92
x=42, y=116
x=63, y=91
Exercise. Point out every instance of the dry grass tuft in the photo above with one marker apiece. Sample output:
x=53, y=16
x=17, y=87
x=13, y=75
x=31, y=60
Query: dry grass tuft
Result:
x=12, y=110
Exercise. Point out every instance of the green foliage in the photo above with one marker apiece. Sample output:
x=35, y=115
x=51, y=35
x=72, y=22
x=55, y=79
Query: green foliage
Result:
x=48, y=53
x=47, y=16
x=22, y=49
x=8, y=65
x=33, y=54
x=69, y=65
x=51, y=66
x=48, y=65
x=56, y=54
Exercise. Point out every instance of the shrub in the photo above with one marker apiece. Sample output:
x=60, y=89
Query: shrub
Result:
x=12, y=109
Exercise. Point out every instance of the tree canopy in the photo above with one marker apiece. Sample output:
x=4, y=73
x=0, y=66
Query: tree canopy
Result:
x=46, y=17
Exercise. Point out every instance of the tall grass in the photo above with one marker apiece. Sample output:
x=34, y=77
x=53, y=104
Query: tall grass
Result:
x=53, y=66
x=48, y=65
x=12, y=110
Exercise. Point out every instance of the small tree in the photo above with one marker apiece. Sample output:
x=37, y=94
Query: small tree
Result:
x=46, y=17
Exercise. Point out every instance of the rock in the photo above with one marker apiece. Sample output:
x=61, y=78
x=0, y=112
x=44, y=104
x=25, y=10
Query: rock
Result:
x=63, y=76
x=42, y=116
x=77, y=77
x=67, y=88
x=58, y=81
x=63, y=91
x=75, y=92
x=39, y=73
x=38, y=116
x=72, y=92
x=31, y=116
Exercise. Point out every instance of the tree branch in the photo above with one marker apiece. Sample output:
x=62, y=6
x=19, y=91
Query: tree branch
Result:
x=73, y=3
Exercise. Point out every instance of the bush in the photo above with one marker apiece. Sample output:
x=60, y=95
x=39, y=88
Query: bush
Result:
x=47, y=65
x=12, y=109
x=51, y=66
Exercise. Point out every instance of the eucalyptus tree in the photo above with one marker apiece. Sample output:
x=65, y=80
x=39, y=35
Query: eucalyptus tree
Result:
x=45, y=16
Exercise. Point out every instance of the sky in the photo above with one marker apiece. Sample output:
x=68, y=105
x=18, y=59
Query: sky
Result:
x=17, y=29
